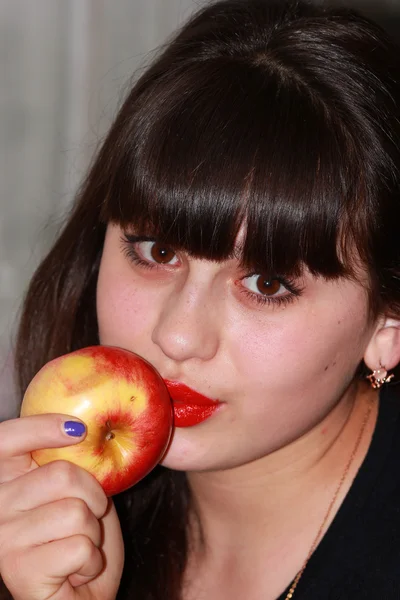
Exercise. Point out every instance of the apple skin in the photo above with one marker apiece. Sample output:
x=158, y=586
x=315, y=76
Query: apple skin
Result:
x=124, y=403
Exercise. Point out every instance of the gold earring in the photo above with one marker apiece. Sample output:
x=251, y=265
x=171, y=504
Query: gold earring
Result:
x=379, y=377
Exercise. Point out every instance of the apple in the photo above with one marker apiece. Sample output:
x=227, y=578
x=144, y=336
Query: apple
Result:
x=124, y=403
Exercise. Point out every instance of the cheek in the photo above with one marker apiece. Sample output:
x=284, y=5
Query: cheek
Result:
x=302, y=350
x=123, y=310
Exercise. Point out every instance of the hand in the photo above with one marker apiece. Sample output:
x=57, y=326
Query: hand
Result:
x=60, y=537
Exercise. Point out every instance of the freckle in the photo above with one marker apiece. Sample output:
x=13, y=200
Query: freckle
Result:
x=339, y=322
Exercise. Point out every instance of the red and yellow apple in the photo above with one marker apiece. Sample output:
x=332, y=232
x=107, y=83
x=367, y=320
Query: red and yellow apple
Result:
x=124, y=403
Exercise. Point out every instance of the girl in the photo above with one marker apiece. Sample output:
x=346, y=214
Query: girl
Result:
x=239, y=230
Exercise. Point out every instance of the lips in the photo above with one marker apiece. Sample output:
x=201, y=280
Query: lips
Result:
x=190, y=407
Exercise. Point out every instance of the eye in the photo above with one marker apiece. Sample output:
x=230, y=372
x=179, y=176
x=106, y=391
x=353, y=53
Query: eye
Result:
x=157, y=252
x=148, y=253
x=259, y=284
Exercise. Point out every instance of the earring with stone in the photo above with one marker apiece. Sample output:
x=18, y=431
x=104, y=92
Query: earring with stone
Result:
x=379, y=376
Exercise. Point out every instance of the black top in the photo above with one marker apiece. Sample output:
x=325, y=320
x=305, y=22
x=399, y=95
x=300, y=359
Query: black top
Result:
x=359, y=556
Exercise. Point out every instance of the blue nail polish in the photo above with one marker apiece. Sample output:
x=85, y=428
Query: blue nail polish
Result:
x=74, y=428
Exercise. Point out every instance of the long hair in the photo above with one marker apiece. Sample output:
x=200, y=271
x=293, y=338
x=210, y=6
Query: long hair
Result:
x=279, y=117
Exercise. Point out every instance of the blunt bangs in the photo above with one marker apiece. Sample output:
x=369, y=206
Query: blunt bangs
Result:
x=223, y=144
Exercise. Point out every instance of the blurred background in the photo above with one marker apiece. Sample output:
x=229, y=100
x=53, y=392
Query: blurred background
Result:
x=65, y=66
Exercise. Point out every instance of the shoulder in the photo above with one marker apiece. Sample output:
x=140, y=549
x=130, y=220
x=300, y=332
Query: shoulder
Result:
x=372, y=551
x=380, y=476
x=365, y=556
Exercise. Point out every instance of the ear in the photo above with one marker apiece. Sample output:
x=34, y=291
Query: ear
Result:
x=384, y=346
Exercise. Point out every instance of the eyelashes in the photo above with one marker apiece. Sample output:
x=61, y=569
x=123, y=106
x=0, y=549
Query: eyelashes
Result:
x=129, y=248
x=149, y=253
x=283, y=299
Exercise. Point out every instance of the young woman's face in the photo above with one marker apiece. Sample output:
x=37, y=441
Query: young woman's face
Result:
x=277, y=355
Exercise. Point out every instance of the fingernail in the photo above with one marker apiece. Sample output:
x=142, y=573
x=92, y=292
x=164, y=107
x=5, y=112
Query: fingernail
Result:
x=74, y=428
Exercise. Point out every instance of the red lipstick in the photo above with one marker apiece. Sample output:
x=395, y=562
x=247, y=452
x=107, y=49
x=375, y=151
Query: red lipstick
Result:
x=190, y=407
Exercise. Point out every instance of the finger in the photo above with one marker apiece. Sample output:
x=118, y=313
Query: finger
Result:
x=20, y=437
x=43, y=572
x=24, y=435
x=50, y=483
x=113, y=556
x=50, y=522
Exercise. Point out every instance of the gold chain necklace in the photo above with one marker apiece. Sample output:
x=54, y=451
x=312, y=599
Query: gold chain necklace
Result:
x=296, y=580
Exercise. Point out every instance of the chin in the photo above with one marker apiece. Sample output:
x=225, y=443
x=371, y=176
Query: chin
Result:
x=192, y=453
x=187, y=452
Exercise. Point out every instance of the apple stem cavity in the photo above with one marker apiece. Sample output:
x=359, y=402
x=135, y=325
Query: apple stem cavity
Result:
x=110, y=435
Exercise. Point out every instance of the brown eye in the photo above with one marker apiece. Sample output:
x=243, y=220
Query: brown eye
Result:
x=268, y=287
x=263, y=286
x=161, y=253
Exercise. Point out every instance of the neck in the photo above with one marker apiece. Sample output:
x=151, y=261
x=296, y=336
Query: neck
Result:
x=268, y=500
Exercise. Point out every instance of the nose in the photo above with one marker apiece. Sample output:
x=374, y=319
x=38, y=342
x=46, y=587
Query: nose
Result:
x=186, y=326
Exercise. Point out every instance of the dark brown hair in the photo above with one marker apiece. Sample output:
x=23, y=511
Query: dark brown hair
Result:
x=280, y=116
